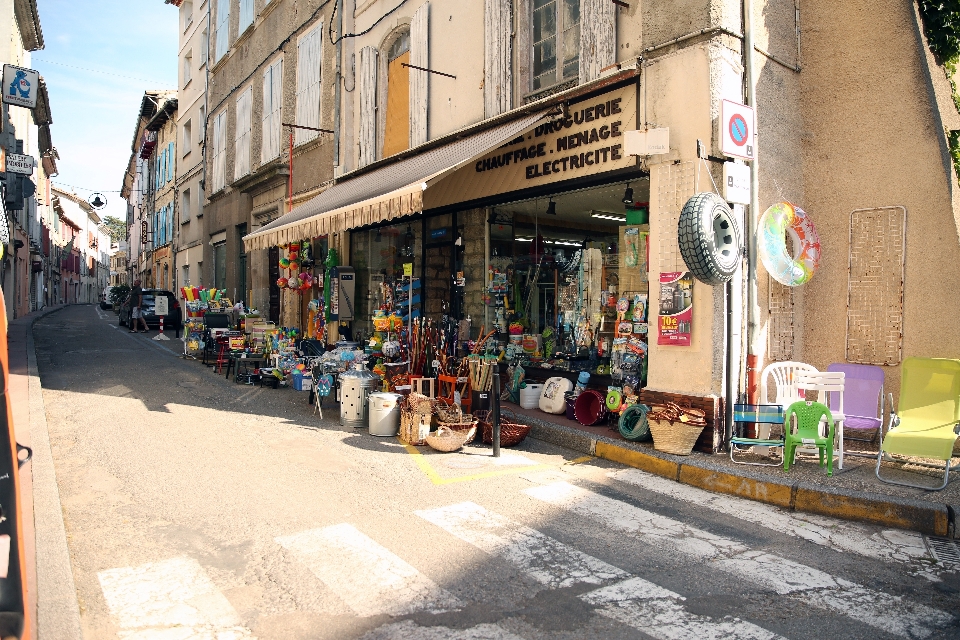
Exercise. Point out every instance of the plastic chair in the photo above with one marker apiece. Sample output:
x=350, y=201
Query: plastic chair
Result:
x=783, y=375
x=829, y=386
x=809, y=415
x=754, y=414
x=928, y=422
x=863, y=401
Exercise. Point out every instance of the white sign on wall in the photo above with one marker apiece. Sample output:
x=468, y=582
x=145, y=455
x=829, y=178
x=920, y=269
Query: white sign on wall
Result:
x=736, y=183
x=20, y=86
x=17, y=163
x=161, y=306
x=737, y=130
x=647, y=143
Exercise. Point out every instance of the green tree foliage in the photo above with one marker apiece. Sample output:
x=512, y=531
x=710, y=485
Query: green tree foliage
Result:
x=119, y=293
x=941, y=24
x=116, y=227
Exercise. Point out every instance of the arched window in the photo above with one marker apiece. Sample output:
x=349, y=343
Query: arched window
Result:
x=396, y=131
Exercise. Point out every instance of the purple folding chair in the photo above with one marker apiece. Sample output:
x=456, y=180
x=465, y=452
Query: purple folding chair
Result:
x=862, y=401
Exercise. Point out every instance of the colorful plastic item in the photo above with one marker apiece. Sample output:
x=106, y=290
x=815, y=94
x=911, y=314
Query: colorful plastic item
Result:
x=776, y=223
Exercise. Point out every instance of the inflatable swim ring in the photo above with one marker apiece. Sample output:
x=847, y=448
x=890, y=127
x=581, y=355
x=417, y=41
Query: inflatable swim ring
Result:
x=776, y=223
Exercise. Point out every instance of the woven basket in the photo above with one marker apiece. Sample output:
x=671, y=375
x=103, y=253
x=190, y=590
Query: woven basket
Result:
x=449, y=440
x=512, y=432
x=410, y=423
x=448, y=412
x=674, y=436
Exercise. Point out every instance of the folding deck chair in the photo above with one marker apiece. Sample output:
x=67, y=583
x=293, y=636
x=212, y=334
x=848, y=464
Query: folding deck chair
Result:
x=928, y=421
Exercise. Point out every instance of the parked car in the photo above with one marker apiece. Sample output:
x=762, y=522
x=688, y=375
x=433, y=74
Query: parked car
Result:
x=105, y=298
x=171, y=321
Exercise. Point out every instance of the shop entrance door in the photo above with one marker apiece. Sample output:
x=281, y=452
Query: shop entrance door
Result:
x=274, y=259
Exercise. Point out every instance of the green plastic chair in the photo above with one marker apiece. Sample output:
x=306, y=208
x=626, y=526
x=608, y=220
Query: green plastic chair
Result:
x=809, y=416
x=927, y=424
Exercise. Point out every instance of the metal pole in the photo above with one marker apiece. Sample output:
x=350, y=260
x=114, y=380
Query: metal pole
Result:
x=290, y=176
x=753, y=304
x=495, y=400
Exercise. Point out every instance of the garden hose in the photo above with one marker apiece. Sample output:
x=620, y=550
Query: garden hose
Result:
x=633, y=424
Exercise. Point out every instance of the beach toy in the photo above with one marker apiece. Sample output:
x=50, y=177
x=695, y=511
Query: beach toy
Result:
x=788, y=268
x=281, y=282
x=284, y=263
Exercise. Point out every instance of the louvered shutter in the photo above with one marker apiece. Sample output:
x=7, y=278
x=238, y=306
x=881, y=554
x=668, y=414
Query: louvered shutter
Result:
x=308, y=84
x=598, y=37
x=219, y=157
x=222, y=32
x=171, y=157
x=242, y=164
x=368, y=106
x=419, y=80
x=497, y=57
x=272, y=79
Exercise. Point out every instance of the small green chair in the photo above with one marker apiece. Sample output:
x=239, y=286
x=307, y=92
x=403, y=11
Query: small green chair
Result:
x=809, y=415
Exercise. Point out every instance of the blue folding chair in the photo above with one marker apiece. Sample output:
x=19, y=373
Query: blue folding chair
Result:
x=746, y=415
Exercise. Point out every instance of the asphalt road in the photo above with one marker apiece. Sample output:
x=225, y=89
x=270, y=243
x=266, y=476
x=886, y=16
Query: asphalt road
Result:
x=198, y=508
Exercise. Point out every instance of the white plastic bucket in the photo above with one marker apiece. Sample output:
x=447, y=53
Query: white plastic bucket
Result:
x=530, y=396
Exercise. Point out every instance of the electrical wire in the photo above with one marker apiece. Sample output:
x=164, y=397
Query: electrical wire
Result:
x=365, y=31
x=106, y=73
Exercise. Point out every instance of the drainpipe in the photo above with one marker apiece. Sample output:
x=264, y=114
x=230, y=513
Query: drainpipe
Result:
x=337, y=89
x=753, y=305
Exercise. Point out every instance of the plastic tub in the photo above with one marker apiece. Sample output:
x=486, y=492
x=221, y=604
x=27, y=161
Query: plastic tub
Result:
x=589, y=408
x=530, y=396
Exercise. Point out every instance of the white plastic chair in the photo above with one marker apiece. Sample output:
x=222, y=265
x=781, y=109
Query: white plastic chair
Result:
x=783, y=375
x=829, y=388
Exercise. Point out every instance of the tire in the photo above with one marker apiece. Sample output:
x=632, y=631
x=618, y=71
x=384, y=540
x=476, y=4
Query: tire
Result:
x=709, y=239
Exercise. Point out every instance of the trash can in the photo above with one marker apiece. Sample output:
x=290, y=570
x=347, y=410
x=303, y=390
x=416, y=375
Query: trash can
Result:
x=384, y=413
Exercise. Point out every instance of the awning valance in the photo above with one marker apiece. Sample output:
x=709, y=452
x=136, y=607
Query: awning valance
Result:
x=388, y=192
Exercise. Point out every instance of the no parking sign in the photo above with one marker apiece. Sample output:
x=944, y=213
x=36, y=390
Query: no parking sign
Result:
x=737, y=130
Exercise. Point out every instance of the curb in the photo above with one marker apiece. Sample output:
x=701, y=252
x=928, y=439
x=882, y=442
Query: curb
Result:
x=846, y=504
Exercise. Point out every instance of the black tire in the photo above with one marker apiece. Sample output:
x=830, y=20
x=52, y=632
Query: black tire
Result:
x=709, y=239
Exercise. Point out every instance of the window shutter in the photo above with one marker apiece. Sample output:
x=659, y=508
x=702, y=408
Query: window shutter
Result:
x=242, y=164
x=308, y=84
x=270, y=123
x=497, y=58
x=419, y=80
x=171, y=157
x=368, y=106
x=598, y=37
x=246, y=14
x=222, y=34
x=219, y=157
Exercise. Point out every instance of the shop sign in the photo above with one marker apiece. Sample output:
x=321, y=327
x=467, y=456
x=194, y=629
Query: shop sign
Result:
x=19, y=163
x=736, y=183
x=161, y=306
x=648, y=142
x=676, y=309
x=737, y=130
x=588, y=140
x=20, y=86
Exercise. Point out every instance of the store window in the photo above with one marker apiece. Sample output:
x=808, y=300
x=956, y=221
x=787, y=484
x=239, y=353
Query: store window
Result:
x=396, y=133
x=378, y=257
x=556, y=41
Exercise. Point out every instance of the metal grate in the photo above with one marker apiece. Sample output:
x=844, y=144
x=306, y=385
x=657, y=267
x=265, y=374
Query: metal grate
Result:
x=780, y=335
x=675, y=187
x=944, y=550
x=875, y=285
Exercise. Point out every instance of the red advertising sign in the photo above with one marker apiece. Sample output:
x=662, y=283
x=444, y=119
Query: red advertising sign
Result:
x=676, y=309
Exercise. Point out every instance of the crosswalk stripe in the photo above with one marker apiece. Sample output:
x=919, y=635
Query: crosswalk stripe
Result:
x=169, y=599
x=890, y=545
x=409, y=630
x=660, y=613
x=886, y=612
x=365, y=575
x=547, y=560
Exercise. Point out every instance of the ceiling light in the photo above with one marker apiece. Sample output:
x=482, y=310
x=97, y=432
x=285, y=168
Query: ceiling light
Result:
x=628, y=195
x=552, y=208
x=608, y=216
x=524, y=239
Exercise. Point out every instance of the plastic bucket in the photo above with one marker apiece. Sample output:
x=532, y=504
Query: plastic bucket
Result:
x=530, y=396
x=589, y=408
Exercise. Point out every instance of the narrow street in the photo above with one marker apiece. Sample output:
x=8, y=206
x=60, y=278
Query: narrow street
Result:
x=198, y=508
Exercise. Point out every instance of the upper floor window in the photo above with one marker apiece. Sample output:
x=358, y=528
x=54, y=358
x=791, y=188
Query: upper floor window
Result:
x=221, y=34
x=185, y=206
x=187, y=141
x=396, y=132
x=308, y=84
x=204, y=46
x=242, y=157
x=187, y=64
x=219, y=151
x=186, y=11
x=556, y=41
x=272, y=97
x=246, y=14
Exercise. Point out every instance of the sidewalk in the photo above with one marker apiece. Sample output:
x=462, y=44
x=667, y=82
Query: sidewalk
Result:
x=56, y=614
x=852, y=494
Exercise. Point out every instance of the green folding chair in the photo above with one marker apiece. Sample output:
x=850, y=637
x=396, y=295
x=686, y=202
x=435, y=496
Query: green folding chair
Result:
x=809, y=416
x=928, y=422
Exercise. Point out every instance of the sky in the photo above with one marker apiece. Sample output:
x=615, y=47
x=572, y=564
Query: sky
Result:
x=99, y=58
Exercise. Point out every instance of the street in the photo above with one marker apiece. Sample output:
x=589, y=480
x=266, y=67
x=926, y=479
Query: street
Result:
x=199, y=508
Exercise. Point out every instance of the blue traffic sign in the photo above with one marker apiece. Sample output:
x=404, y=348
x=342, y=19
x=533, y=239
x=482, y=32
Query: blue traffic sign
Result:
x=738, y=130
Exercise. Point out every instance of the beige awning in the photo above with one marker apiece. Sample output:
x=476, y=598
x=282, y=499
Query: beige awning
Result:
x=385, y=193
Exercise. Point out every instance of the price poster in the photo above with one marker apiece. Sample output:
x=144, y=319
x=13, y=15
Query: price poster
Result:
x=676, y=309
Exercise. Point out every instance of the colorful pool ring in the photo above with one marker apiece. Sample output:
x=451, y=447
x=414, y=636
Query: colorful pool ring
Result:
x=776, y=223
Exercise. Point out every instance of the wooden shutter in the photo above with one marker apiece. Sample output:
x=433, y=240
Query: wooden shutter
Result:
x=171, y=160
x=419, y=80
x=219, y=157
x=368, y=106
x=222, y=32
x=598, y=37
x=497, y=57
x=272, y=78
x=242, y=164
x=308, y=84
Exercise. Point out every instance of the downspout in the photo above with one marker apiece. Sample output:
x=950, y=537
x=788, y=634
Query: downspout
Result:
x=753, y=304
x=337, y=89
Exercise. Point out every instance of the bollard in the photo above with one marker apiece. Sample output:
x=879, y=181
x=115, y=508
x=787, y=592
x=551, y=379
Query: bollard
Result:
x=160, y=335
x=495, y=400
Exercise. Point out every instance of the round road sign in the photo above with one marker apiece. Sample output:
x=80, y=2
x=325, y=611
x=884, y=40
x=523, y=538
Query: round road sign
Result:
x=738, y=130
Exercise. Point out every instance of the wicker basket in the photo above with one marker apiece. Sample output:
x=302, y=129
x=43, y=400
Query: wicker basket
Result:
x=512, y=432
x=412, y=425
x=674, y=436
x=448, y=440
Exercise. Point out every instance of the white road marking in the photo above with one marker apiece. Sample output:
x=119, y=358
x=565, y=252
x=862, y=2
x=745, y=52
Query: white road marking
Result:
x=365, y=575
x=890, y=545
x=659, y=613
x=409, y=630
x=547, y=560
x=171, y=599
x=886, y=612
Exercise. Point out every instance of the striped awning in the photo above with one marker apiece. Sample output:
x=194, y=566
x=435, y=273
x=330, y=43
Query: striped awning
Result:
x=391, y=191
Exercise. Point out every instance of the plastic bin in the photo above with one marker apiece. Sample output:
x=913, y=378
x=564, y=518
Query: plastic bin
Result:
x=530, y=396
